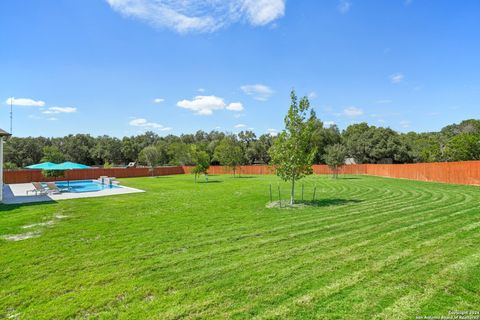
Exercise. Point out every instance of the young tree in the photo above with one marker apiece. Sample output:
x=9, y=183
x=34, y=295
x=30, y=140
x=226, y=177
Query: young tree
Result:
x=152, y=155
x=335, y=157
x=229, y=153
x=202, y=163
x=292, y=153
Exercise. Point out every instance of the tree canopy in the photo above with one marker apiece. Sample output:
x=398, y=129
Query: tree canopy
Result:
x=363, y=142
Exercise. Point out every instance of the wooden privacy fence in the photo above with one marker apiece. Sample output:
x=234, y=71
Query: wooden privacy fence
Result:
x=23, y=176
x=467, y=172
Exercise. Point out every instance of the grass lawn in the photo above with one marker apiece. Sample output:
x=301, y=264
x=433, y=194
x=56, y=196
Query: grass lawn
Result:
x=372, y=248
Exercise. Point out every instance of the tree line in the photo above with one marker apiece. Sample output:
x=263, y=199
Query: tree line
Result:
x=362, y=142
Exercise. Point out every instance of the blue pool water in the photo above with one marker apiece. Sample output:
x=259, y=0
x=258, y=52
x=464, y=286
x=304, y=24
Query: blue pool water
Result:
x=84, y=186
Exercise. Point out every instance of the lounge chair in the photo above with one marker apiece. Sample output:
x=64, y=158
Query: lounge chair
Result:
x=38, y=189
x=52, y=188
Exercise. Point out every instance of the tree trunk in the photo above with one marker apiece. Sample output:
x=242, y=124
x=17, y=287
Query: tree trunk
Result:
x=292, y=194
x=195, y=178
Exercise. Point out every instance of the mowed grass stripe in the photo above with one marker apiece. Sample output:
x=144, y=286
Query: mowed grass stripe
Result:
x=317, y=298
x=331, y=254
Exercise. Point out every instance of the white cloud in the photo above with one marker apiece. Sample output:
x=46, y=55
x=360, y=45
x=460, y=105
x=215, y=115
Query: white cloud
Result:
x=203, y=105
x=235, y=106
x=206, y=105
x=55, y=110
x=158, y=100
x=142, y=122
x=240, y=125
x=405, y=123
x=25, y=102
x=262, y=12
x=344, y=6
x=200, y=16
x=272, y=132
x=396, y=77
x=259, y=92
x=312, y=95
x=201, y=90
x=352, y=112
x=329, y=123
x=52, y=119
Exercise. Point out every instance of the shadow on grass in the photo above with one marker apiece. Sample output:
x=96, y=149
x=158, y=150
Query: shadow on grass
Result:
x=13, y=206
x=285, y=204
x=327, y=202
x=210, y=181
x=244, y=177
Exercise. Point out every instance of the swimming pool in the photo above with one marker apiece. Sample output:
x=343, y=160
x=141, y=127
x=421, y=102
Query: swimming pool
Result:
x=84, y=186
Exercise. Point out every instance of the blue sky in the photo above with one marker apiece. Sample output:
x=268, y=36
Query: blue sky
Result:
x=121, y=67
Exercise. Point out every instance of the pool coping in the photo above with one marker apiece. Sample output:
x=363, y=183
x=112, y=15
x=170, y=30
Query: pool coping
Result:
x=17, y=194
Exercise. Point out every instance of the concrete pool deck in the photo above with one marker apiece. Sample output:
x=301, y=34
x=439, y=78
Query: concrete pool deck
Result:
x=17, y=194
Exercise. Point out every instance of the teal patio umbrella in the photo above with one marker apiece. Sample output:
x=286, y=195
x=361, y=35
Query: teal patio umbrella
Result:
x=43, y=166
x=70, y=166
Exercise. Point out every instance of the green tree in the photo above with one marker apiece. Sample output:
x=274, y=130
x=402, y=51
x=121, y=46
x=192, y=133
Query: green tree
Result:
x=292, y=153
x=152, y=155
x=465, y=146
x=9, y=166
x=369, y=144
x=258, y=149
x=24, y=151
x=180, y=154
x=335, y=157
x=229, y=153
x=202, y=163
x=52, y=154
x=77, y=148
x=466, y=126
x=323, y=137
x=107, y=149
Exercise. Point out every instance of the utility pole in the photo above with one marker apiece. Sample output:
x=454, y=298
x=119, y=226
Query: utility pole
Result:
x=11, y=115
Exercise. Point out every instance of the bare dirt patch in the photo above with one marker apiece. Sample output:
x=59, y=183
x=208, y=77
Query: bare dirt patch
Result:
x=40, y=224
x=21, y=236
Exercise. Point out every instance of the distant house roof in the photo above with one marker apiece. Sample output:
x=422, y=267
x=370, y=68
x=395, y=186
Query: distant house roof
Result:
x=4, y=133
x=350, y=161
